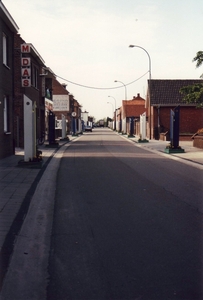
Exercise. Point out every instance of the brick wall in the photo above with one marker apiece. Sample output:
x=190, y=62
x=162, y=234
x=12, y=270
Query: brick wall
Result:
x=6, y=89
x=18, y=94
x=35, y=94
x=191, y=119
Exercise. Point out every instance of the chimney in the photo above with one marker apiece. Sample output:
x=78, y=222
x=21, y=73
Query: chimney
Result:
x=64, y=85
x=138, y=96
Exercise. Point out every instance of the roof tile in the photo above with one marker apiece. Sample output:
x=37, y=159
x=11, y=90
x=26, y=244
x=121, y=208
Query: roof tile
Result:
x=167, y=91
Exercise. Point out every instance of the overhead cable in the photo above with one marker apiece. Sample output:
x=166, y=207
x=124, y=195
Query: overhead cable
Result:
x=101, y=88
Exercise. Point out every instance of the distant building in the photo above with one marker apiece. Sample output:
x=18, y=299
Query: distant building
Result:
x=130, y=112
x=85, y=117
x=65, y=105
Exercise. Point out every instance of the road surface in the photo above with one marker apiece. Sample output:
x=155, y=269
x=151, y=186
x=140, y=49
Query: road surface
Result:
x=126, y=224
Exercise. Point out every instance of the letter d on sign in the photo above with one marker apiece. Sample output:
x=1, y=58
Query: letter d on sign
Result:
x=25, y=62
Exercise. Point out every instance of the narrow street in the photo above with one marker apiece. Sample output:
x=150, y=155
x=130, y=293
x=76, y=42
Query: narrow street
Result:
x=126, y=224
x=101, y=150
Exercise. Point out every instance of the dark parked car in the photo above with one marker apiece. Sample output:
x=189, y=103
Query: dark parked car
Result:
x=88, y=128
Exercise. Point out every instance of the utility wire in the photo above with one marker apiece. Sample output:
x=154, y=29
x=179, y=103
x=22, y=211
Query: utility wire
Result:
x=100, y=88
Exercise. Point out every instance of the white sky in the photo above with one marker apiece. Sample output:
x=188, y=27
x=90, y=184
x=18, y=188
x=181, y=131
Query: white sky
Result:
x=86, y=42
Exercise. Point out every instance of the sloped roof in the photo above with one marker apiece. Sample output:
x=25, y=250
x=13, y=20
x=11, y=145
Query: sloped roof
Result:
x=138, y=99
x=167, y=91
x=7, y=18
x=133, y=108
x=135, y=111
x=58, y=88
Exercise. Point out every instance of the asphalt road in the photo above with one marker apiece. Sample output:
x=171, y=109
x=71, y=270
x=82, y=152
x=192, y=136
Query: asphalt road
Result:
x=126, y=224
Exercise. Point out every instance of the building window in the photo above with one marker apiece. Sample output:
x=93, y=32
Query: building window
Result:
x=5, y=114
x=5, y=50
x=34, y=77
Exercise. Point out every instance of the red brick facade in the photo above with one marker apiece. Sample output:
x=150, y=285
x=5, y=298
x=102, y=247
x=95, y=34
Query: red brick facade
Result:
x=33, y=93
x=134, y=107
x=191, y=119
x=74, y=106
x=165, y=96
x=7, y=29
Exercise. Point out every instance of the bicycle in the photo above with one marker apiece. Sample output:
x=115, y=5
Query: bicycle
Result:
x=41, y=139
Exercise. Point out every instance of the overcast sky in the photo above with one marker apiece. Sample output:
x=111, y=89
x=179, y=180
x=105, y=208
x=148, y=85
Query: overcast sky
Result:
x=86, y=43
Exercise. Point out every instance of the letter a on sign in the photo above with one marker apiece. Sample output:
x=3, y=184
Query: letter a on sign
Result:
x=26, y=72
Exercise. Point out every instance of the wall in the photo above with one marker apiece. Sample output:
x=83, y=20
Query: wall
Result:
x=191, y=119
x=6, y=88
x=35, y=94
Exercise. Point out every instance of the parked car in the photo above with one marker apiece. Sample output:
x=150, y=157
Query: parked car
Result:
x=88, y=128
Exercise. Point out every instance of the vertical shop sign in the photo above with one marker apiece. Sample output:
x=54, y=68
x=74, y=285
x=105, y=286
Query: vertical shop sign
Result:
x=25, y=66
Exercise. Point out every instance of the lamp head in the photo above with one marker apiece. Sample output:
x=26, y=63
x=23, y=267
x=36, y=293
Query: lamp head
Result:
x=131, y=46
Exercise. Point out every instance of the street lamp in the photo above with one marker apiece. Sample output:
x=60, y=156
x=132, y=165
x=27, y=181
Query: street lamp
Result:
x=112, y=105
x=149, y=88
x=115, y=111
x=124, y=87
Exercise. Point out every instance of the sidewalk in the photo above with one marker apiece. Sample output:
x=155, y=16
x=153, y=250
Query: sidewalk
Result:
x=17, y=184
x=191, y=155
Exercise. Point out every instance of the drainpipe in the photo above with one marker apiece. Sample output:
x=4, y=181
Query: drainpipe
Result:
x=158, y=111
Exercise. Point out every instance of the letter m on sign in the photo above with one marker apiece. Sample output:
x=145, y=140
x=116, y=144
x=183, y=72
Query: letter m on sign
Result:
x=25, y=48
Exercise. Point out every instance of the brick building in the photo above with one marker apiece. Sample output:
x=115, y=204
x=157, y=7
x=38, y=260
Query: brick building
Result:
x=164, y=97
x=35, y=92
x=130, y=112
x=8, y=29
x=65, y=104
x=47, y=80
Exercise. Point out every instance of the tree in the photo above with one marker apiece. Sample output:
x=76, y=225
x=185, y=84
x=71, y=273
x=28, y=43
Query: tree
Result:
x=199, y=59
x=194, y=93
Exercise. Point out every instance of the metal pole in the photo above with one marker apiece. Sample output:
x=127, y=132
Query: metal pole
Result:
x=149, y=88
x=112, y=110
x=124, y=87
x=112, y=105
x=115, y=111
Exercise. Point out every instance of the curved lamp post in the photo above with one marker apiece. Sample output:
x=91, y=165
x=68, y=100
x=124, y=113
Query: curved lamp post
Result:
x=124, y=87
x=115, y=111
x=111, y=104
x=135, y=46
x=112, y=107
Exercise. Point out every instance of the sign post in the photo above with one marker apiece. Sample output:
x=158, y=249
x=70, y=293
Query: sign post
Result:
x=63, y=127
x=29, y=120
x=142, y=138
x=73, y=123
x=174, y=132
x=143, y=126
